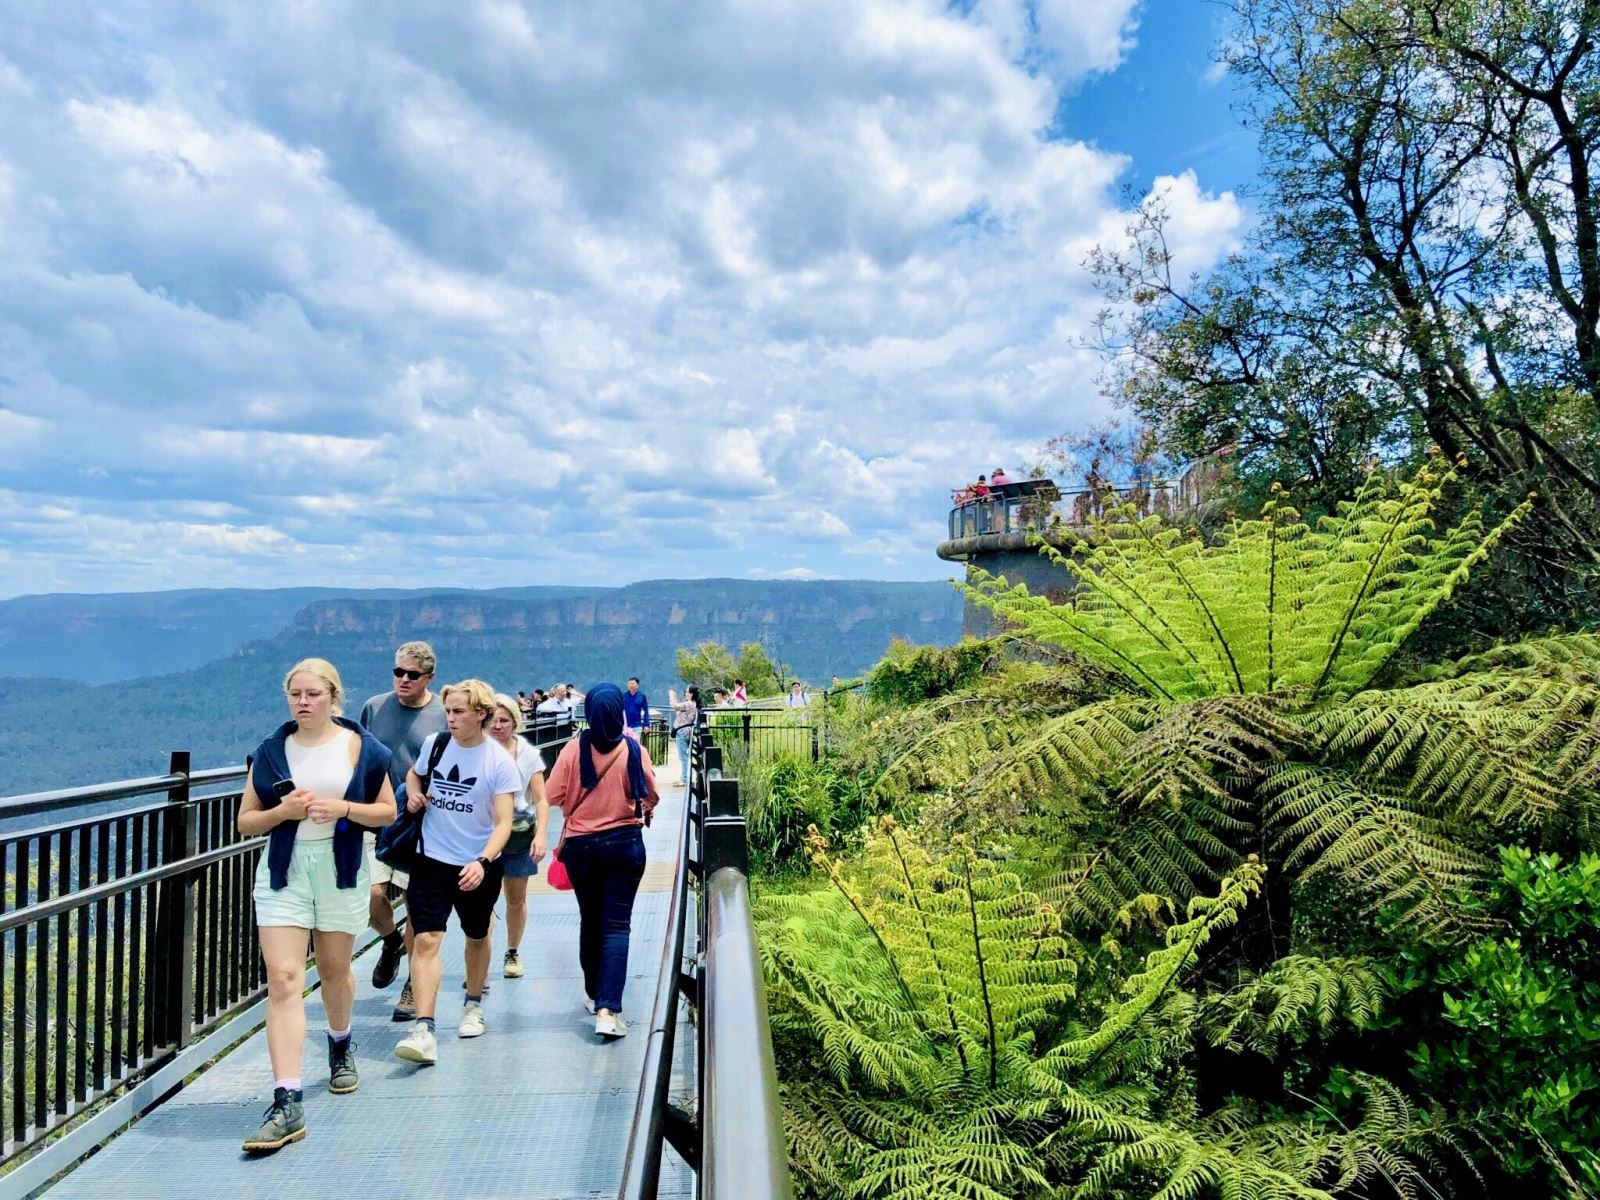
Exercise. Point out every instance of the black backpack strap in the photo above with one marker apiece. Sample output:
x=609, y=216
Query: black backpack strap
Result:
x=441, y=742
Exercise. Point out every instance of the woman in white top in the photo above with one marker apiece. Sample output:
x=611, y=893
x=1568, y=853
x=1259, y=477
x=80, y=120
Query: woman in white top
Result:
x=312, y=788
x=530, y=826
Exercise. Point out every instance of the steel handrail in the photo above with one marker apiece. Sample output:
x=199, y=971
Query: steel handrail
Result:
x=641, y=1169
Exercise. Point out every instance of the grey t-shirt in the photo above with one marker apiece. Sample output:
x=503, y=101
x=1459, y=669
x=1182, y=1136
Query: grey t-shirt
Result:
x=402, y=729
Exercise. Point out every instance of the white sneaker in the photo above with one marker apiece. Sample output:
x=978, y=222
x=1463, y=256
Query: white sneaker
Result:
x=419, y=1046
x=588, y=1005
x=471, y=1020
x=610, y=1025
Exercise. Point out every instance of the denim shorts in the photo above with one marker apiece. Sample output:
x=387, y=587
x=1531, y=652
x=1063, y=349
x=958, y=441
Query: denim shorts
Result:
x=519, y=866
x=312, y=898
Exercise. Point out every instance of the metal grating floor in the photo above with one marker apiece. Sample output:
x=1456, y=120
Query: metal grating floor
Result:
x=536, y=1109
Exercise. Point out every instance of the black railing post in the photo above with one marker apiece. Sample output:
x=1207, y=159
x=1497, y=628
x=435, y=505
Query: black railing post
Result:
x=722, y=800
x=815, y=745
x=747, y=727
x=180, y=841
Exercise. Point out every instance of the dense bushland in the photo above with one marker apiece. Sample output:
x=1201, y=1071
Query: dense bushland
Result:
x=1205, y=892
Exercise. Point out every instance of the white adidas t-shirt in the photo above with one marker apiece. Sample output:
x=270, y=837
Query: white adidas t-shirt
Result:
x=458, y=821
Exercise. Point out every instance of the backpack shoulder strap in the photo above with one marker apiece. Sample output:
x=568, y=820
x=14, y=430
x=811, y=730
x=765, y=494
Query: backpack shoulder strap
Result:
x=441, y=742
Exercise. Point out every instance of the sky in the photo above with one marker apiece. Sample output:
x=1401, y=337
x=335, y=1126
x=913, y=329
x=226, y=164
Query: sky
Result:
x=502, y=292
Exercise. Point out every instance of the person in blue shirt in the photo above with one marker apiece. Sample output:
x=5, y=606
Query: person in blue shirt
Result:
x=635, y=709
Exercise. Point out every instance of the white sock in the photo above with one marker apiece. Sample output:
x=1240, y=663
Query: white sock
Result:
x=339, y=1035
x=292, y=1085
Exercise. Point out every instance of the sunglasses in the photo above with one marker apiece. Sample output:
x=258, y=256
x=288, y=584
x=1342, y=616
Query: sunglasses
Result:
x=401, y=671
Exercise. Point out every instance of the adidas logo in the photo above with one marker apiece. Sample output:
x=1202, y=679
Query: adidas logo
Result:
x=452, y=785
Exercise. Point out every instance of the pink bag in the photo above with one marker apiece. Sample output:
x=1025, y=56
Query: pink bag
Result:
x=556, y=874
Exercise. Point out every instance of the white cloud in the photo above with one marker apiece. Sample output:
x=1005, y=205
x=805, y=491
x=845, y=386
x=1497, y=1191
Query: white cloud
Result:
x=336, y=283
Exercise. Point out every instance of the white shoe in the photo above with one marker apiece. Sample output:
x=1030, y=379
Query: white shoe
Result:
x=419, y=1046
x=471, y=1020
x=588, y=1006
x=609, y=1025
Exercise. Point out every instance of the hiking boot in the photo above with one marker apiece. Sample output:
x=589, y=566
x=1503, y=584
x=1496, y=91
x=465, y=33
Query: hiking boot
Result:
x=418, y=1046
x=471, y=1020
x=610, y=1025
x=342, y=1076
x=388, y=963
x=284, y=1122
x=513, y=965
x=406, y=1008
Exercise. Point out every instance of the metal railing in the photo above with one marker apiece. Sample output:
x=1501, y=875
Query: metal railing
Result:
x=734, y=1141
x=743, y=733
x=127, y=945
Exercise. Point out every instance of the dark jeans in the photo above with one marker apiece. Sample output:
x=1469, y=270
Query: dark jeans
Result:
x=605, y=869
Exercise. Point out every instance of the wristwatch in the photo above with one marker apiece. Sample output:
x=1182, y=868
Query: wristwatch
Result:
x=484, y=861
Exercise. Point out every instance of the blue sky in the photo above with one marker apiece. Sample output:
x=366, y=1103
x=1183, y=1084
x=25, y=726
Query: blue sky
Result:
x=492, y=292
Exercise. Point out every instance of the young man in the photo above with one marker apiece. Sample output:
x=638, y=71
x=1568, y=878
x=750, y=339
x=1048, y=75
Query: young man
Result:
x=635, y=710
x=467, y=809
x=798, y=697
x=401, y=719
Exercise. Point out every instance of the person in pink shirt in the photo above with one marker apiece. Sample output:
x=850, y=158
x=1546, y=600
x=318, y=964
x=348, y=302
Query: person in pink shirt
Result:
x=999, y=477
x=604, y=785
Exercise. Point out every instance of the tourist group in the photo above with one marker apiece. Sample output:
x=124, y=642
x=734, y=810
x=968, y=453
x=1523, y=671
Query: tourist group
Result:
x=323, y=786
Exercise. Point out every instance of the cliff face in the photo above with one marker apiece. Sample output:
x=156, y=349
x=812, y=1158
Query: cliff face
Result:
x=819, y=629
x=62, y=734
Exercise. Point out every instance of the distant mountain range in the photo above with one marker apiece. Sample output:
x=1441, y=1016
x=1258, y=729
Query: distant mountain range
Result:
x=103, y=687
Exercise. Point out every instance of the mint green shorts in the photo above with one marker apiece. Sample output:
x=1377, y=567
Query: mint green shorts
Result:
x=312, y=899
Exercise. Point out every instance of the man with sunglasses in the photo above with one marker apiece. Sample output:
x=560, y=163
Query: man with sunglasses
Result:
x=402, y=720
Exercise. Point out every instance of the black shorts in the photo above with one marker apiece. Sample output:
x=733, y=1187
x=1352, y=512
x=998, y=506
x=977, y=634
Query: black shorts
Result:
x=435, y=889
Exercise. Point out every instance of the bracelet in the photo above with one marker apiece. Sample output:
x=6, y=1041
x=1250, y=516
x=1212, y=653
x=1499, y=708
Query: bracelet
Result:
x=347, y=810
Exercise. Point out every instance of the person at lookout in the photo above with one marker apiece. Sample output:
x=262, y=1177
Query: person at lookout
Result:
x=605, y=787
x=467, y=803
x=400, y=719
x=312, y=788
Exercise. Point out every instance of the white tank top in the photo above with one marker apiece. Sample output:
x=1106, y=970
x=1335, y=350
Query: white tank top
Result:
x=326, y=770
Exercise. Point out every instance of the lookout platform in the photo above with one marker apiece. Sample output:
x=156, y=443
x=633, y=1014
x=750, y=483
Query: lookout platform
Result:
x=537, y=1108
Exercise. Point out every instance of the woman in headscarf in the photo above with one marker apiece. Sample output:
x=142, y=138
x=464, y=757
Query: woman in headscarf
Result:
x=605, y=787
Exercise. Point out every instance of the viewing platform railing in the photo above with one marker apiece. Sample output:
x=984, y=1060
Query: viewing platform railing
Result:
x=1014, y=510
x=734, y=1140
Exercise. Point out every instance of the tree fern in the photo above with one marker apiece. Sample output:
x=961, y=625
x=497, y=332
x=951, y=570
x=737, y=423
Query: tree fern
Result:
x=1256, y=724
x=957, y=1057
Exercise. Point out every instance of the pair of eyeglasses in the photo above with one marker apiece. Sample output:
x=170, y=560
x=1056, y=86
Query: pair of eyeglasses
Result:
x=402, y=671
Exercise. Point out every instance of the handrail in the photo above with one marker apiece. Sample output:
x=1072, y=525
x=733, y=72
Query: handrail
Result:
x=641, y=1169
x=745, y=1155
x=735, y=1141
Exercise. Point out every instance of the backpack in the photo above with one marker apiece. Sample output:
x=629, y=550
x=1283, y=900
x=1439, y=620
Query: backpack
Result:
x=400, y=842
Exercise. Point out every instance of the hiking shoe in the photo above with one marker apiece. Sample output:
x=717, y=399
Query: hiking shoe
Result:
x=342, y=1076
x=513, y=965
x=283, y=1122
x=418, y=1046
x=406, y=1009
x=388, y=964
x=610, y=1025
x=471, y=1020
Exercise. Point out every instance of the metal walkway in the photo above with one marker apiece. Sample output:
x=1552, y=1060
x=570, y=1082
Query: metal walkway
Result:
x=536, y=1109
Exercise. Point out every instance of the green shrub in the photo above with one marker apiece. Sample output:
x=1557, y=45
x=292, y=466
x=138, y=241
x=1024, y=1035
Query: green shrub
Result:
x=910, y=674
x=1517, y=1023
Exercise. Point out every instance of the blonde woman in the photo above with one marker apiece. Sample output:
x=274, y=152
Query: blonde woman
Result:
x=312, y=788
x=530, y=825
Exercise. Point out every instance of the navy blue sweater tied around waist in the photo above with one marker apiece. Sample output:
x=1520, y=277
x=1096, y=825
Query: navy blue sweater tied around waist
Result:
x=270, y=765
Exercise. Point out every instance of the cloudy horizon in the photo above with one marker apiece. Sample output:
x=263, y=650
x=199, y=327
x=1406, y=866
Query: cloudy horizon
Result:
x=495, y=293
